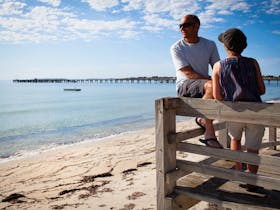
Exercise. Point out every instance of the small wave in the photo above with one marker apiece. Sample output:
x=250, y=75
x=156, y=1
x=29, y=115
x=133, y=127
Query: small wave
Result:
x=17, y=146
x=275, y=99
x=21, y=154
x=270, y=98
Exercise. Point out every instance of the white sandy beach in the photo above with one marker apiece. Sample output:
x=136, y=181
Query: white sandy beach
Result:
x=116, y=173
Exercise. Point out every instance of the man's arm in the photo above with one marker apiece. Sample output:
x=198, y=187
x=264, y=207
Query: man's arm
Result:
x=191, y=74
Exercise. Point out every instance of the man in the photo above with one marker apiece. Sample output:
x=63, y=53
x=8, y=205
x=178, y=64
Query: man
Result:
x=191, y=57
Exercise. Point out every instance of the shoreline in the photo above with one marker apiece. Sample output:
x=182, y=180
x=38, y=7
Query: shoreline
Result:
x=86, y=175
x=22, y=154
x=115, y=173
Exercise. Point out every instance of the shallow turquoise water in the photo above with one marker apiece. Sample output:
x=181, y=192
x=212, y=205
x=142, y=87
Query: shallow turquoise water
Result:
x=35, y=116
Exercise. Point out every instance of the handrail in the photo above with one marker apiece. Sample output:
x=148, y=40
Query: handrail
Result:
x=246, y=112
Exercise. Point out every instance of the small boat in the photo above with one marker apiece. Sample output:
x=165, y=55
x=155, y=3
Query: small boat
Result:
x=72, y=89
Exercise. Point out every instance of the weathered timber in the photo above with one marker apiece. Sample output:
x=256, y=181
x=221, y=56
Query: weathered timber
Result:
x=173, y=170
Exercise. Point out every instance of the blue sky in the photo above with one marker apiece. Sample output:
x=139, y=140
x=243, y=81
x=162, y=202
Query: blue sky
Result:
x=123, y=38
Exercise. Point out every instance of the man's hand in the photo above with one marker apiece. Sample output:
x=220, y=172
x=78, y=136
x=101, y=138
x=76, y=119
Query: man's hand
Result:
x=191, y=74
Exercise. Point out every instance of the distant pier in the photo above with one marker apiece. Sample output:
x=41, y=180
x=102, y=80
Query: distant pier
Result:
x=271, y=78
x=154, y=79
x=100, y=80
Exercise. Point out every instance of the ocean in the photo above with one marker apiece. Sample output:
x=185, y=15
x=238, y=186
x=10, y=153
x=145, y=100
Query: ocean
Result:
x=35, y=117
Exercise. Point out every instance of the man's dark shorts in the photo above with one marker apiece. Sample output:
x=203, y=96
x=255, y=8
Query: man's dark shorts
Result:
x=192, y=88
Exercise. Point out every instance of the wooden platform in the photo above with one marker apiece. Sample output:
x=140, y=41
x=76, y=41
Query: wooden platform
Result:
x=226, y=193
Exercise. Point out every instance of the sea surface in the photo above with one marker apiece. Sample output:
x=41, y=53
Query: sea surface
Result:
x=35, y=117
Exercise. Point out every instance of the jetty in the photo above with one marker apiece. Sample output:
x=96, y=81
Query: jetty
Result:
x=154, y=79
x=127, y=80
x=182, y=182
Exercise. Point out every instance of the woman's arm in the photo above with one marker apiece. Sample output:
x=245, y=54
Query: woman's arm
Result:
x=260, y=82
x=217, y=90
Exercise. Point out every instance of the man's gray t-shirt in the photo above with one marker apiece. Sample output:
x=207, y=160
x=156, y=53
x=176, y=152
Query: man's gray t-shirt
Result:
x=198, y=56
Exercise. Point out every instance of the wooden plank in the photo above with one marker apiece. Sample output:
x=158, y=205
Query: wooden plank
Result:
x=272, y=136
x=228, y=194
x=271, y=144
x=223, y=136
x=236, y=201
x=248, y=112
x=165, y=154
x=229, y=174
x=160, y=162
x=182, y=202
x=238, y=156
x=181, y=136
x=192, y=133
x=177, y=174
x=267, y=170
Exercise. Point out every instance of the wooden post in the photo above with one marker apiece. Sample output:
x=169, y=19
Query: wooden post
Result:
x=165, y=153
x=272, y=136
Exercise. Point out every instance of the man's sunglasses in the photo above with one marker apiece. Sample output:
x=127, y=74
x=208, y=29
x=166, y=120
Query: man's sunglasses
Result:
x=186, y=25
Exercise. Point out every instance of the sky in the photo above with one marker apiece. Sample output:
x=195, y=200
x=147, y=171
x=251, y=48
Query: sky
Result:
x=124, y=38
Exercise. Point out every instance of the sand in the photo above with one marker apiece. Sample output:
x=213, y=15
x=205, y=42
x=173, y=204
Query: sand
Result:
x=114, y=173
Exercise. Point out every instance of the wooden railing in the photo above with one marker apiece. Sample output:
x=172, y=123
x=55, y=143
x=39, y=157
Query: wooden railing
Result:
x=175, y=186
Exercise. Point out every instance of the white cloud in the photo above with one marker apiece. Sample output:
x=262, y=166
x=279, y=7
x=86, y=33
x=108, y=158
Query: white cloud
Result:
x=277, y=32
x=157, y=6
x=179, y=8
x=228, y=5
x=11, y=7
x=54, y=3
x=154, y=22
x=93, y=28
x=101, y=5
x=159, y=15
x=132, y=4
x=128, y=34
x=273, y=7
x=221, y=8
x=52, y=24
x=215, y=10
x=134, y=17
